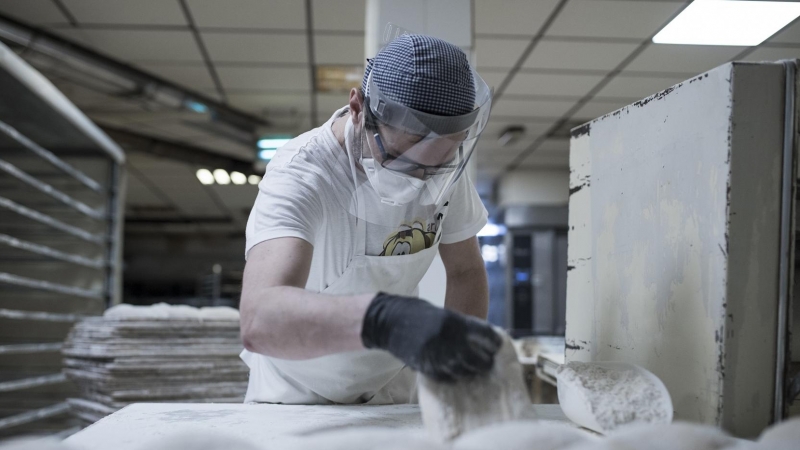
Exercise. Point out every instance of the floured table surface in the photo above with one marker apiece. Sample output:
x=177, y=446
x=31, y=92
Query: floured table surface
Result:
x=270, y=426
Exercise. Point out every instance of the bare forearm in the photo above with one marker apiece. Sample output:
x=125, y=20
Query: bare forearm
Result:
x=468, y=293
x=292, y=323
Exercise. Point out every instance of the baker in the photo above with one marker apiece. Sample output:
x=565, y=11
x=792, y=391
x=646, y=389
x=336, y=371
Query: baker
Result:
x=348, y=219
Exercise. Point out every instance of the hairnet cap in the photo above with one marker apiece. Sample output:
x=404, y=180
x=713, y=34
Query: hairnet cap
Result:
x=424, y=73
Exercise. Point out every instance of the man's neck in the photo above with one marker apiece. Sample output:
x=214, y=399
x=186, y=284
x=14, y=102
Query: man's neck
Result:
x=338, y=128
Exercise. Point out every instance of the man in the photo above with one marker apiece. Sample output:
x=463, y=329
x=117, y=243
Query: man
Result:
x=348, y=219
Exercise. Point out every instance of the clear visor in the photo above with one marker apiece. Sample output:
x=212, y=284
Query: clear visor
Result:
x=426, y=147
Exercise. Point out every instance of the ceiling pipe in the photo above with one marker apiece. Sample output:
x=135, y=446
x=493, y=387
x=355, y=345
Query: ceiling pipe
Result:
x=132, y=81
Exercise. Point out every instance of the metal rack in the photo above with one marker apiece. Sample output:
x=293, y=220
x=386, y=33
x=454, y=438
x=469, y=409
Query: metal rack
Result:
x=61, y=182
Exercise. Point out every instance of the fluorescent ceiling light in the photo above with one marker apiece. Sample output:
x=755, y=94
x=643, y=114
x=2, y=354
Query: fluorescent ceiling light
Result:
x=728, y=22
x=267, y=155
x=221, y=176
x=272, y=144
x=238, y=178
x=254, y=179
x=205, y=176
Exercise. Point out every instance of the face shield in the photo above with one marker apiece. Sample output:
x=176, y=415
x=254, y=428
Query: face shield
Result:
x=412, y=156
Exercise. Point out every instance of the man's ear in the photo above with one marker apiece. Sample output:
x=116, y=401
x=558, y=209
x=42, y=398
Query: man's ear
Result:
x=356, y=102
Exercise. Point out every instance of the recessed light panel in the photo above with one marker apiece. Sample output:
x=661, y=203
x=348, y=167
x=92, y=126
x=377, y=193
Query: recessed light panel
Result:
x=728, y=22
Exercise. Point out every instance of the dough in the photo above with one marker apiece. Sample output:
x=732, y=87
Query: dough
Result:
x=607, y=396
x=783, y=436
x=523, y=435
x=159, y=311
x=684, y=436
x=450, y=409
x=127, y=312
x=218, y=313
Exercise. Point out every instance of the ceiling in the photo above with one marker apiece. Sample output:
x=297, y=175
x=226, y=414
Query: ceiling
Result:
x=553, y=63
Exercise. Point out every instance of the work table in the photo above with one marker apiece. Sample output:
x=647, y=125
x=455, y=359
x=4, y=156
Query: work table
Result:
x=271, y=426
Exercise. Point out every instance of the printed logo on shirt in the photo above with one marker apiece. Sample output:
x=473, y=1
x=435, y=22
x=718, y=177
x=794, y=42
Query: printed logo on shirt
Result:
x=412, y=238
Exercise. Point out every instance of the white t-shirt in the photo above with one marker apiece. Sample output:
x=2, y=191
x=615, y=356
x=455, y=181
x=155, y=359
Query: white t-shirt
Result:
x=308, y=193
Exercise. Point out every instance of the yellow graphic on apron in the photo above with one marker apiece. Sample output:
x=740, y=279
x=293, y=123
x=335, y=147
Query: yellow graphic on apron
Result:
x=410, y=239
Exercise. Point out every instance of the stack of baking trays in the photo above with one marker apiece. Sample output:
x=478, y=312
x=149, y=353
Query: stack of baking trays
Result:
x=160, y=353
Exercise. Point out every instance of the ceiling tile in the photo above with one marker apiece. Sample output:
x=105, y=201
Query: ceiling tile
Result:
x=328, y=103
x=294, y=125
x=340, y=15
x=522, y=17
x=537, y=160
x=545, y=84
x=140, y=45
x=274, y=103
x=495, y=127
x=236, y=197
x=267, y=78
x=137, y=193
x=606, y=18
x=269, y=14
x=509, y=106
x=789, y=35
x=498, y=52
x=578, y=55
x=594, y=109
x=493, y=78
x=251, y=47
x=195, y=77
x=637, y=87
x=682, y=58
x=144, y=12
x=773, y=54
x=339, y=50
x=223, y=146
x=34, y=12
x=553, y=146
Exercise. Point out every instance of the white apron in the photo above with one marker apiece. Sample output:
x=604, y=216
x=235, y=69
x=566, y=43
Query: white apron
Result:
x=373, y=376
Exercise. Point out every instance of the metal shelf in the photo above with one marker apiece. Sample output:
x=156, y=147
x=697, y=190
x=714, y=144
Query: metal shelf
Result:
x=50, y=221
x=34, y=415
x=17, y=280
x=32, y=382
x=40, y=316
x=44, y=250
x=16, y=349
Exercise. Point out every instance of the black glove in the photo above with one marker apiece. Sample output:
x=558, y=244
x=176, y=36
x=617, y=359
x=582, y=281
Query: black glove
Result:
x=441, y=344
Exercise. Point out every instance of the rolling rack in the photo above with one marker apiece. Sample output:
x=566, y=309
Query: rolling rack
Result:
x=61, y=215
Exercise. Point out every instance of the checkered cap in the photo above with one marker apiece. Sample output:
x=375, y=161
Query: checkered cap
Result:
x=424, y=73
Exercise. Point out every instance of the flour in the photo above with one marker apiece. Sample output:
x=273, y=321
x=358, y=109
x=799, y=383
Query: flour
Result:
x=683, y=436
x=523, y=435
x=616, y=396
x=450, y=409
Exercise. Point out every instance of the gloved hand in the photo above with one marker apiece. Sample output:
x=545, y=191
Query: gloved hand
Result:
x=438, y=343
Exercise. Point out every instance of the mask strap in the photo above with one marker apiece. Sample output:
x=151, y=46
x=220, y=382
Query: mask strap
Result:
x=360, y=241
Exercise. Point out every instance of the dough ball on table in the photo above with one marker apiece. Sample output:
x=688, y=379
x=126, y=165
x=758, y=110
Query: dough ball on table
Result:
x=450, y=409
x=367, y=438
x=783, y=436
x=523, y=435
x=683, y=436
